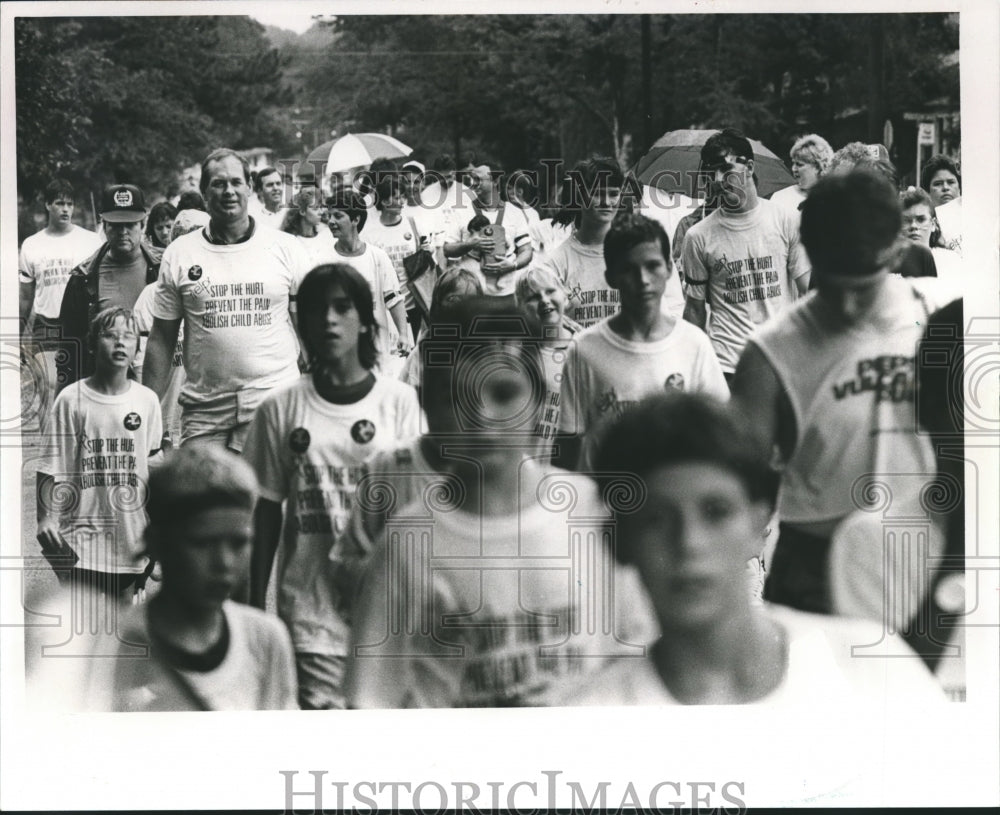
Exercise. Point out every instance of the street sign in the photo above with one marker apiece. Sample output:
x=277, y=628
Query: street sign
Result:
x=926, y=133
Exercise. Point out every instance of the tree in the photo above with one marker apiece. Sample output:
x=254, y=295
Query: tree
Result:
x=104, y=99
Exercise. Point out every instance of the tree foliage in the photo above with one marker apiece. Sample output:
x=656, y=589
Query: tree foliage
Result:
x=526, y=87
x=103, y=99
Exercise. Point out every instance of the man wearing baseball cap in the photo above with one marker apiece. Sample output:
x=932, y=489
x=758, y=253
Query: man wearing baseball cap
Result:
x=114, y=276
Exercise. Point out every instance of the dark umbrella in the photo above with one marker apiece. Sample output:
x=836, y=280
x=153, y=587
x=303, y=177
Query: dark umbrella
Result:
x=671, y=165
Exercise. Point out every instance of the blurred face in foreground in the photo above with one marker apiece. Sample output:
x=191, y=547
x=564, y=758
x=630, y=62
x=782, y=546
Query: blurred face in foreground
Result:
x=850, y=299
x=690, y=542
x=207, y=556
x=493, y=400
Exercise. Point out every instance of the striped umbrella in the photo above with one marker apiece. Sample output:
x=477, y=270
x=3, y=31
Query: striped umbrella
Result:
x=350, y=151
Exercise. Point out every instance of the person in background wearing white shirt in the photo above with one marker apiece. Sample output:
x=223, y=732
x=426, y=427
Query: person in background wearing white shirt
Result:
x=43, y=268
x=398, y=236
x=745, y=259
x=810, y=160
x=920, y=226
x=942, y=180
x=269, y=187
x=306, y=220
x=348, y=214
x=513, y=253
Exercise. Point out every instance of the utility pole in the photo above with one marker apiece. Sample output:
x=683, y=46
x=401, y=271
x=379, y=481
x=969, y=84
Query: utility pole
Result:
x=876, y=76
x=647, y=84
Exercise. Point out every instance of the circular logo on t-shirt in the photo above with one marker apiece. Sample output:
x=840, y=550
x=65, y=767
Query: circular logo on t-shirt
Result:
x=299, y=440
x=132, y=421
x=407, y=236
x=363, y=431
x=675, y=381
x=194, y=273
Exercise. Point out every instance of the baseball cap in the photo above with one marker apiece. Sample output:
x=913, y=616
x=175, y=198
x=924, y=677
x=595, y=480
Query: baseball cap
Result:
x=122, y=204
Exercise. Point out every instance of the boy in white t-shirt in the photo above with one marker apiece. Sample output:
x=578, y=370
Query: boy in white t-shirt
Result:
x=639, y=351
x=347, y=217
x=478, y=587
x=307, y=443
x=190, y=648
x=92, y=493
x=43, y=268
x=397, y=236
x=708, y=494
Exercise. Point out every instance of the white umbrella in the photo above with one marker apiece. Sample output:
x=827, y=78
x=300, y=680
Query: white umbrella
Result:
x=355, y=150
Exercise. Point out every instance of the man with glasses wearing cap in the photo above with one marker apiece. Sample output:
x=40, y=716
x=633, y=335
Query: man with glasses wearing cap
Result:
x=744, y=259
x=113, y=276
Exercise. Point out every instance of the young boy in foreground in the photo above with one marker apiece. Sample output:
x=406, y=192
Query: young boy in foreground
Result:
x=189, y=647
x=708, y=495
x=496, y=582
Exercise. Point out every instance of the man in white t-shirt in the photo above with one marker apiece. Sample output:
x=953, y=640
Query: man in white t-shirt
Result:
x=445, y=199
x=397, y=236
x=233, y=285
x=513, y=253
x=47, y=257
x=43, y=267
x=744, y=260
x=830, y=384
x=267, y=206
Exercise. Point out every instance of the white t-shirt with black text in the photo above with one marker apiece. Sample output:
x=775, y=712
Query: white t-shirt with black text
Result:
x=46, y=260
x=605, y=374
x=308, y=452
x=234, y=300
x=744, y=264
x=101, y=445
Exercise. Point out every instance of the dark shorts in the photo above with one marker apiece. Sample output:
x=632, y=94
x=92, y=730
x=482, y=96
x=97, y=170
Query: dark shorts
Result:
x=798, y=572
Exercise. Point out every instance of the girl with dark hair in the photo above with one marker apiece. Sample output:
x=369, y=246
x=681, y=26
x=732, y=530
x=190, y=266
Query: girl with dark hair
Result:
x=920, y=226
x=159, y=224
x=306, y=444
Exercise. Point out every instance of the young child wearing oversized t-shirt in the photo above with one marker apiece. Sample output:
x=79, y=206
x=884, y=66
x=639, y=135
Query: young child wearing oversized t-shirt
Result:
x=639, y=351
x=479, y=585
x=307, y=442
x=190, y=647
x=92, y=492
